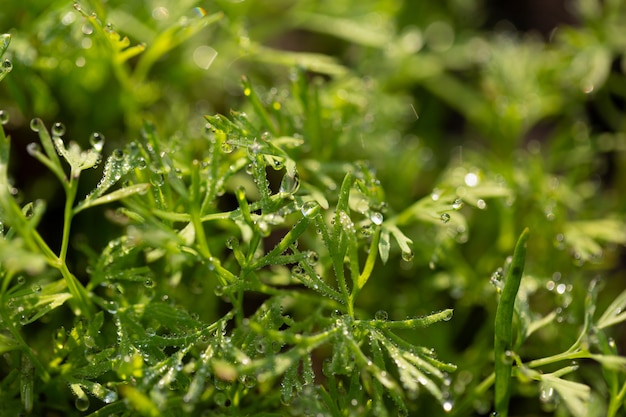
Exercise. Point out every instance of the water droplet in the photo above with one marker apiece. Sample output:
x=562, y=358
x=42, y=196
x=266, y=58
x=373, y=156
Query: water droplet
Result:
x=227, y=147
x=4, y=117
x=58, y=129
x=157, y=179
x=481, y=204
x=21, y=280
x=381, y=315
x=254, y=149
x=97, y=141
x=312, y=257
x=232, y=242
x=249, y=381
x=36, y=288
x=87, y=29
x=447, y=405
x=445, y=218
x=118, y=154
x=496, y=279
x=376, y=218
x=546, y=394
x=290, y=183
x=436, y=194
x=219, y=290
x=471, y=179
x=309, y=209
x=36, y=124
x=149, y=283
x=33, y=148
x=457, y=204
x=141, y=163
x=24, y=319
x=7, y=66
x=263, y=228
x=407, y=256
x=109, y=397
x=278, y=164
x=82, y=403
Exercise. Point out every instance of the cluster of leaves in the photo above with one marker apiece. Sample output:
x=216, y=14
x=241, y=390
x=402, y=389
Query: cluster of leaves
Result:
x=171, y=209
x=251, y=262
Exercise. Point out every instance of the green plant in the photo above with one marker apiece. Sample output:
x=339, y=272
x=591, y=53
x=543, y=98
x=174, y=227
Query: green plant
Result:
x=298, y=255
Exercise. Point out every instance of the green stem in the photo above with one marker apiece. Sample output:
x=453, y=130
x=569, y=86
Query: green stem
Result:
x=569, y=355
x=338, y=259
x=78, y=291
x=70, y=196
x=616, y=402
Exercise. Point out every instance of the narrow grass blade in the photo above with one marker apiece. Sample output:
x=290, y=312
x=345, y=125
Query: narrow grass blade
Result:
x=504, y=327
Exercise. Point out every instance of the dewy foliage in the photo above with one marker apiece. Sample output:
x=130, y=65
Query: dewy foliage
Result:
x=170, y=208
x=304, y=255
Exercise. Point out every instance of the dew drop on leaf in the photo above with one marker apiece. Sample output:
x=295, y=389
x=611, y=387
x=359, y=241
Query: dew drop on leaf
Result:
x=232, y=242
x=278, y=164
x=4, y=117
x=36, y=124
x=97, y=141
x=309, y=208
x=82, y=403
x=7, y=66
x=457, y=204
x=227, y=147
x=381, y=315
x=312, y=258
x=546, y=394
x=109, y=397
x=407, y=256
x=445, y=218
x=157, y=179
x=118, y=154
x=58, y=129
x=447, y=405
x=376, y=218
x=290, y=183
